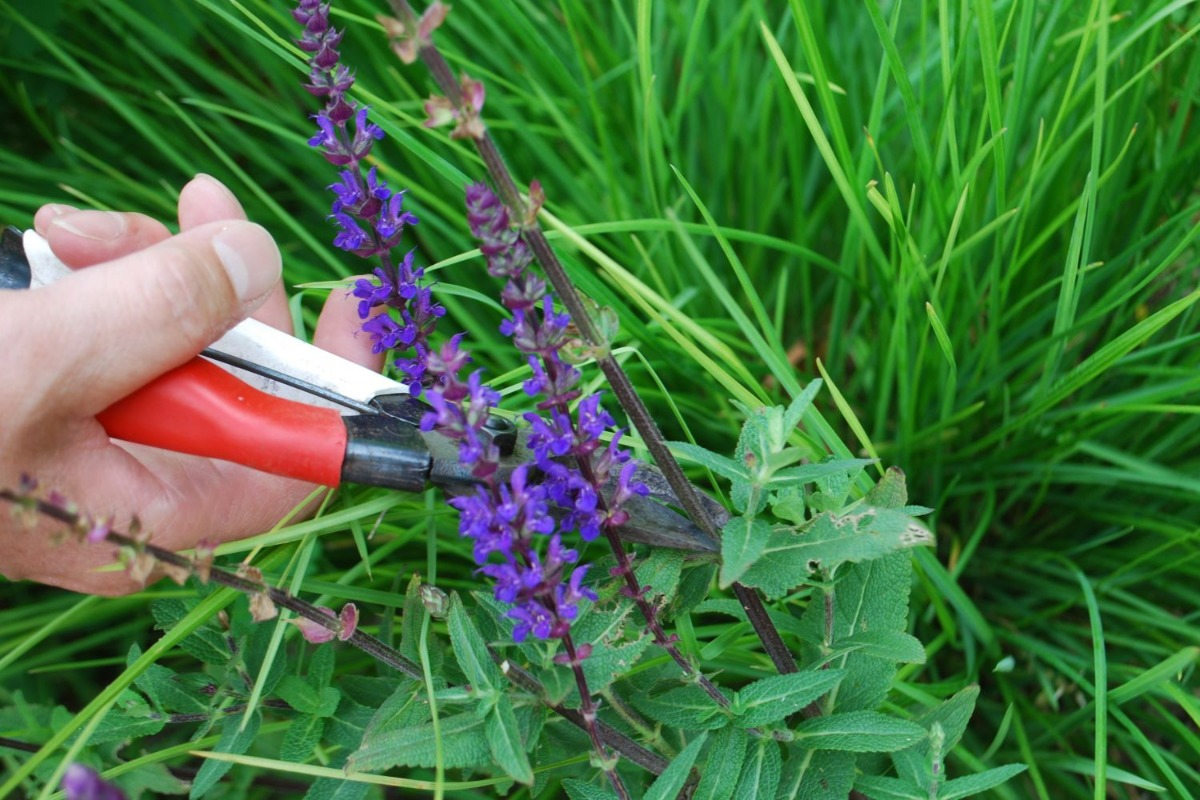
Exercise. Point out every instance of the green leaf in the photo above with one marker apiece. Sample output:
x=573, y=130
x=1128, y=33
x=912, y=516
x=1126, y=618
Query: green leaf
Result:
x=694, y=587
x=858, y=732
x=608, y=663
x=865, y=534
x=300, y=695
x=889, y=645
x=130, y=718
x=983, y=781
x=952, y=715
x=742, y=540
x=470, y=649
x=163, y=686
x=464, y=744
x=582, y=790
x=234, y=739
x=667, y=785
x=789, y=503
x=723, y=765
x=890, y=492
x=723, y=466
x=761, y=771
x=772, y=699
x=871, y=596
x=150, y=780
x=799, y=405
x=337, y=789
x=320, y=668
x=834, y=486
x=302, y=738
x=660, y=571
x=882, y=788
x=817, y=774
x=504, y=738
x=206, y=644
x=405, y=708
x=808, y=473
x=687, y=707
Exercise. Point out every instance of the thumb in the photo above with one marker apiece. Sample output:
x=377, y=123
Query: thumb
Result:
x=106, y=331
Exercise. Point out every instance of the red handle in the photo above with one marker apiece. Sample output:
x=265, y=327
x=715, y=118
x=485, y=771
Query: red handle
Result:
x=201, y=409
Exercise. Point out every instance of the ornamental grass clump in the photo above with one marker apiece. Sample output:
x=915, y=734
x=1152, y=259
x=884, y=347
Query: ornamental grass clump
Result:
x=763, y=665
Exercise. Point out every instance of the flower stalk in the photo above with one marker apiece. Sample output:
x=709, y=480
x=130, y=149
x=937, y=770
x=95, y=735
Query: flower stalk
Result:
x=622, y=387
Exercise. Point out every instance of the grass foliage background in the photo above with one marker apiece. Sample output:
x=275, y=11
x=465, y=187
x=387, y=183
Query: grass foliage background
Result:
x=978, y=220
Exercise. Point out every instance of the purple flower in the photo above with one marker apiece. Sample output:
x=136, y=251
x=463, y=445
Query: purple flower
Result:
x=83, y=783
x=350, y=238
x=391, y=220
x=532, y=617
x=384, y=331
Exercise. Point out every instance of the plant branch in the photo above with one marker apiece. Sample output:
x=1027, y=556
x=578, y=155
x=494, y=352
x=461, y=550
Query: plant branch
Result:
x=376, y=648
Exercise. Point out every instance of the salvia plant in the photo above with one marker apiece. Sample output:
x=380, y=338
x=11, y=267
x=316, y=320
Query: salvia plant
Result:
x=573, y=663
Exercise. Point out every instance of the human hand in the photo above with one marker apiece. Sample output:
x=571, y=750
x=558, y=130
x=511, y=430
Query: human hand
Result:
x=142, y=302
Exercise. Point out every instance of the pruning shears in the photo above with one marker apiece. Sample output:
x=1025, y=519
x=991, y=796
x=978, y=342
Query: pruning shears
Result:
x=264, y=399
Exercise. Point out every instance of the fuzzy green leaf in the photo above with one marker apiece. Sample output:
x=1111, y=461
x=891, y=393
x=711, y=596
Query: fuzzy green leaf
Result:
x=722, y=465
x=302, y=738
x=687, y=707
x=981, y=782
x=865, y=534
x=723, y=765
x=808, y=473
x=883, y=788
x=772, y=699
x=405, y=708
x=889, y=645
x=206, y=643
x=761, y=771
x=799, y=405
x=464, y=744
x=336, y=789
x=660, y=571
x=320, y=668
x=890, y=492
x=607, y=663
x=742, y=541
x=164, y=687
x=582, y=790
x=470, y=649
x=858, y=732
x=504, y=738
x=301, y=696
x=668, y=784
x=952, y=715
x=236, y=740
x=130, y=718
x=818, y=774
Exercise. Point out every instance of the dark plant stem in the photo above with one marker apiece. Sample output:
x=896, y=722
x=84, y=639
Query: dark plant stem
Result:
x=622, y=744
x=622, y=387
x=587, y=709
x=377, y=649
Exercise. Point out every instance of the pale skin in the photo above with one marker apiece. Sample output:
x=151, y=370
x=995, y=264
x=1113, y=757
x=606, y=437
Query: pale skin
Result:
x=140, y=303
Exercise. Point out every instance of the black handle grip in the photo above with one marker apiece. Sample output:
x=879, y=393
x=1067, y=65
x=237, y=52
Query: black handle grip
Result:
x=14, y=266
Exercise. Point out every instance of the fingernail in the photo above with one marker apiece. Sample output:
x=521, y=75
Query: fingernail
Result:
x=59, y=209
x=99, y=226
x=250, y=258
x=204, y=176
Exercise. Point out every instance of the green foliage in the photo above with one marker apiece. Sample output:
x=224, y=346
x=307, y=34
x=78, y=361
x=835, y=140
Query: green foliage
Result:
x=974, y=222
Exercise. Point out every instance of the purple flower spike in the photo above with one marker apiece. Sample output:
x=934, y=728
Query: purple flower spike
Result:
x=369, y=216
